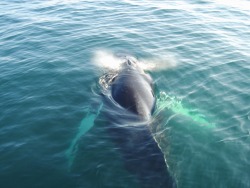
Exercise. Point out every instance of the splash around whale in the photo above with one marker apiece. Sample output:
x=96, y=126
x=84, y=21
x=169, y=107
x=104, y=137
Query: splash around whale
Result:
x=131, y=97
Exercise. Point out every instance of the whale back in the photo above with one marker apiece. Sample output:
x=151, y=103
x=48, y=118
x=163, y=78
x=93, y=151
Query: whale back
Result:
x=132, y=89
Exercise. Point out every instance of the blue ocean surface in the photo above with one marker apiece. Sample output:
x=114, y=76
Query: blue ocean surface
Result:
x=52, y=118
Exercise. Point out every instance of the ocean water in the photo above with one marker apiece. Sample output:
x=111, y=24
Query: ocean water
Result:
x=197, y=52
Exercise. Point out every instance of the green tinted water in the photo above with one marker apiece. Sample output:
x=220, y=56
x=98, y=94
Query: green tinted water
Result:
x=49, y=78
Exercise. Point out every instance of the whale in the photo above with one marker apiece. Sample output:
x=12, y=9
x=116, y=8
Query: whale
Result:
x=132, y=90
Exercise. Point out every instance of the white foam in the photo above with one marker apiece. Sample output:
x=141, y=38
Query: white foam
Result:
x=107, y=59
x=162, y=62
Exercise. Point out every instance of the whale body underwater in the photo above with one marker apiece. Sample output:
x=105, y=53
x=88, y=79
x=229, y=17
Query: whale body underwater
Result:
x=132, y=90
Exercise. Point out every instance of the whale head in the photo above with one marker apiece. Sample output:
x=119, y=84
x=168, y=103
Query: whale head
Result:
x=131, y=64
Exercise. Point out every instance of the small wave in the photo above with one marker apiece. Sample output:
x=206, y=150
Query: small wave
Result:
x=242, y=4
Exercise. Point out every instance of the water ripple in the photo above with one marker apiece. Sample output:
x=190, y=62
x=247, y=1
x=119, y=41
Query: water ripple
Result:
x=47, y=79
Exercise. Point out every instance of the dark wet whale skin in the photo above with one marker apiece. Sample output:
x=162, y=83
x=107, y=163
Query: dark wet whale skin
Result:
x=132, y=89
